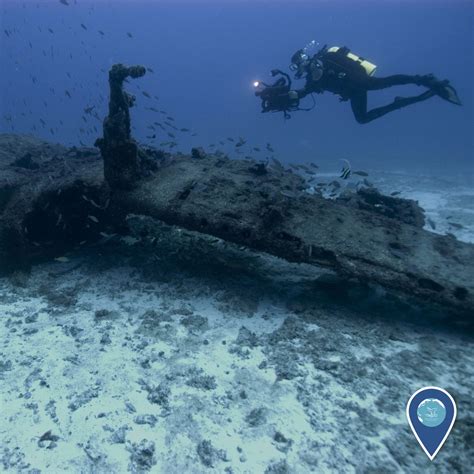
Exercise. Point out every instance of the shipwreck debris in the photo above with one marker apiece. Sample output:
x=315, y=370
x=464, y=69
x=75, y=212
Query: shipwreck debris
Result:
x=118, y=149
x=367, y=237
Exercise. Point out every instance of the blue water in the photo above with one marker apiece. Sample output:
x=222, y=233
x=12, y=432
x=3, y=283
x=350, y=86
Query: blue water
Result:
x=205, y=56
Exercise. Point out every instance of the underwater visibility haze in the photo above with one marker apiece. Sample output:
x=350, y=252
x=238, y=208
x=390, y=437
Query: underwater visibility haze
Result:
x=205, y=56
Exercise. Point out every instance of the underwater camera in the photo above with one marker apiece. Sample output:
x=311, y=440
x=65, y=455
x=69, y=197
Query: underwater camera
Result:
x=277, y=97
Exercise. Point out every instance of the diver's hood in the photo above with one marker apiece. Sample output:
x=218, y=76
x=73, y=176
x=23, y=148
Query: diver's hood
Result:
x=299, y=56
x=301, y=59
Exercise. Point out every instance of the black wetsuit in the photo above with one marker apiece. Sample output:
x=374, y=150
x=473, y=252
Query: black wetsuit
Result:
x=348, y=79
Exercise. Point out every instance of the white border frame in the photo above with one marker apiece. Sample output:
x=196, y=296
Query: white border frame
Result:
x=450, y=426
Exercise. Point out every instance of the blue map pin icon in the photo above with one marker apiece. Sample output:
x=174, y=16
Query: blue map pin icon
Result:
x=431, y=413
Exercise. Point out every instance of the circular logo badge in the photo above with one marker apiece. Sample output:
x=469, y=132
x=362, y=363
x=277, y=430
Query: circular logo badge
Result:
x=431, y=412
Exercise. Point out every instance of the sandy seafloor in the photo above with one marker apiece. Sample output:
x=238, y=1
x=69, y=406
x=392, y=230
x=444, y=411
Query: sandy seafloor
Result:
x=151, y=360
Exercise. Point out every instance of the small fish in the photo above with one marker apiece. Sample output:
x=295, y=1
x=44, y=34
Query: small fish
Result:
x=149, y=69
x=51, y=31
x=93, y=219
x=67, y=93
x=314, y=165
x=345, y=173
x=360, y=173
x=395, y=193
x=101, y=33
x=270, y=148
x=346, y=170
x=230, y=139
x=129, y=35
x=256, y=148
x=61, y=260
x=64, y=2
x=288, y=194
x=92, y=202
x=277, y=165
x=456, y=225
x=431, y=223
x=184, y=130
x=146, y=94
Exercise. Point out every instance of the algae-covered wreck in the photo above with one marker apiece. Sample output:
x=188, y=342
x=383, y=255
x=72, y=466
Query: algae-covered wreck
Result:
x=53, y=199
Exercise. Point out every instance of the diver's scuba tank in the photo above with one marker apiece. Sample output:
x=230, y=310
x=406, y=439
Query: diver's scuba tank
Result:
x=367, y=65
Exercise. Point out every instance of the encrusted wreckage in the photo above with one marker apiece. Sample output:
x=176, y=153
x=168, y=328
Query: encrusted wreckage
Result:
x=54, y=198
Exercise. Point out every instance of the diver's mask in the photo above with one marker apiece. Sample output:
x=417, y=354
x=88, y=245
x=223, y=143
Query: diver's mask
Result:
x=299, y=63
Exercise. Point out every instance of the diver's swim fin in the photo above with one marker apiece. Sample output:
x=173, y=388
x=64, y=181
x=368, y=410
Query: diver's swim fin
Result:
x=447, y=92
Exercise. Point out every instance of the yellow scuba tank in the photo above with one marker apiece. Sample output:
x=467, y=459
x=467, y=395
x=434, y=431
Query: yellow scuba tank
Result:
x=368, y=66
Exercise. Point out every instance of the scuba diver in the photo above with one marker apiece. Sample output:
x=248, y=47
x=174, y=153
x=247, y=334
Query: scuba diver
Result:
x=343, y=73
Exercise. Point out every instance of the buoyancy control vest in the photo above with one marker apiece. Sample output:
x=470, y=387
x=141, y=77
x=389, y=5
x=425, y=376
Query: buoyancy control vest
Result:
x=342, y=61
